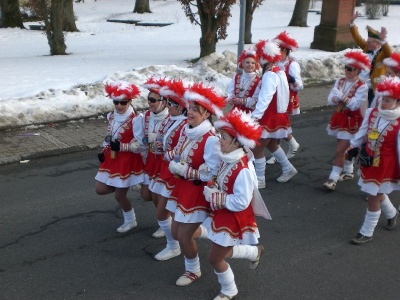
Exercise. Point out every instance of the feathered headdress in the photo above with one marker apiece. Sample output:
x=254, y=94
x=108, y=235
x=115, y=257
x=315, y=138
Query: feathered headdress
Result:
x=242, y=126
x=390, y=86
x=245, y=54
x=205, y=96
x=174, y=89
x=284, y=40
x=121, y=90
x=357, y=59
x=267, y=52
x=154, y=85
x=393, y=61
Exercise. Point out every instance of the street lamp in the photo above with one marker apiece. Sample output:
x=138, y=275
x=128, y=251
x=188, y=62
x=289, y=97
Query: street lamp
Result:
x=241, y=30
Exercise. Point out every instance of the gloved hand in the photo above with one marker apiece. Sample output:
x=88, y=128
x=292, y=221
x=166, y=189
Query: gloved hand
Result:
x=151, y=137
x=291, y=79
x=338, y=93
x=133, y=146
x=178, y=168
x=115, y=145
x=238, y=101
x=101, y=157
x=207, y=192
x=205, y=172
x=352, y=152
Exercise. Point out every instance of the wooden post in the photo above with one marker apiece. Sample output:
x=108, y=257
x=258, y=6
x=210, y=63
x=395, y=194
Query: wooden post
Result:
x=333, y=34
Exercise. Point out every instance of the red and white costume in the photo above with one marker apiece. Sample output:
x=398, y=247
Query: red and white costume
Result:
x=126, y=168
x=347, y=119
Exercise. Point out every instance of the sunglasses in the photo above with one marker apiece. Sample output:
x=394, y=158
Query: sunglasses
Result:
x=171, y=103
x=123, y=103
x=153, y=100
x=350, y=69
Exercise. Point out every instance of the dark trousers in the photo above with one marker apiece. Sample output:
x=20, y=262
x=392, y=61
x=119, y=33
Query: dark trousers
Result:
x=371, y=96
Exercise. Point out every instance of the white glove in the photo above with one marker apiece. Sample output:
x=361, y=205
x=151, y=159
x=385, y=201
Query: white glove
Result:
x=152, y=137
x=338, y=93
x=205, y=172
x=177, y=168
x=207, y=192
x=134, y=147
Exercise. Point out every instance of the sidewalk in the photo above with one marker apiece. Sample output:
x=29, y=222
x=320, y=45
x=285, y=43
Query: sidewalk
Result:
x=33, y=142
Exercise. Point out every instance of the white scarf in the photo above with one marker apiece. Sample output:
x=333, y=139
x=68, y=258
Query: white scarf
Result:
x=198, y=131
x=119, y=118
x=233, y=156
x=389, y=114
x=160, y=116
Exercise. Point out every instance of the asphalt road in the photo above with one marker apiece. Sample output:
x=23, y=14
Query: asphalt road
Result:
x=58, y=238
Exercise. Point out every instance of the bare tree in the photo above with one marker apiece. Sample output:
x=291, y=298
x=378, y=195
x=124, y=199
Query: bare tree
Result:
x=142, y=6
x=69, y=17
x=300, y=13
x=10, y=16
x=53, y=20
x=212, y=16
x=251, y=6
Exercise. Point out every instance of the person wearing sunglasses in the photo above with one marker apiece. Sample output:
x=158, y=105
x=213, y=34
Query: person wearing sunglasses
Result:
x=241, y=89
x=163, y=184
x=196, y=151
x=271, y=112
x=121, y=165
x=147, y=126
x=348, y=95
x=235, y=200
x=377, y=145
x=292, y=70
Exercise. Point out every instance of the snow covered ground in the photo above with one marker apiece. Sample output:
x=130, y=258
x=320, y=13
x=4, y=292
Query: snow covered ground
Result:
x=38, y=88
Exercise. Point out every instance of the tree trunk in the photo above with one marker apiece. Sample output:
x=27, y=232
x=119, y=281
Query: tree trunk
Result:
x=10, y=14
x=142, y=6
x=300, y=13
x=358, y=3
x=248, y=21
x=69, y=17
x=208, y=40
x=53, y=20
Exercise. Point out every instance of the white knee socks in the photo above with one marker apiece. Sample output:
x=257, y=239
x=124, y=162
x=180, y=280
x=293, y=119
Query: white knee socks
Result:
x=129, y=216
x=259, y=166
x=371, y=219
x=348, y=167
x=280, y=155
x=192, y=265
x=335, y=173
x=166, y=227
x=245, y=251
x=227, y=281
x=389, y=211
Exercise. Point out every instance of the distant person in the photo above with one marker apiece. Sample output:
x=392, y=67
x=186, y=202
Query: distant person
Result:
x=379, y=142
x=348, y=95
x=121, y=164
x=242, y=86
x=147, y=126
x=232, y=227
x=377, y=48
x=164, y=183
x=197, y=150
x=292, y=69
x=271, y=112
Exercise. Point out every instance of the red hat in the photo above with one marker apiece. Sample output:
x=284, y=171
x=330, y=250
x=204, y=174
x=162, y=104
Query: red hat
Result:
x=154, y=85
x=284, y=40
x=206, y=97
x=390, y=86
x=267, y=52
x=357, y=59
x=245, y=54
x=242, y=126
x=174, y=89
x=122, y=90
x=393, y=61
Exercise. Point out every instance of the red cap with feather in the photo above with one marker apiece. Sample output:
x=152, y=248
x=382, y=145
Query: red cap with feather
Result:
x=241, y=126
x=154, y=85
x=174, y=89
x=390, y=87
x=121, y=90
x=393, y=61
x=245, y=54
x=284, y=40
x=206, y=97
x=267, y=52
x=357, y=59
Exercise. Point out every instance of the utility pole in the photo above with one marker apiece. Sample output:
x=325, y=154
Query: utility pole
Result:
x=241, y=28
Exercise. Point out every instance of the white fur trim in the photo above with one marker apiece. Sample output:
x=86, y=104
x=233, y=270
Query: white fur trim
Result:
x=391, y=62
